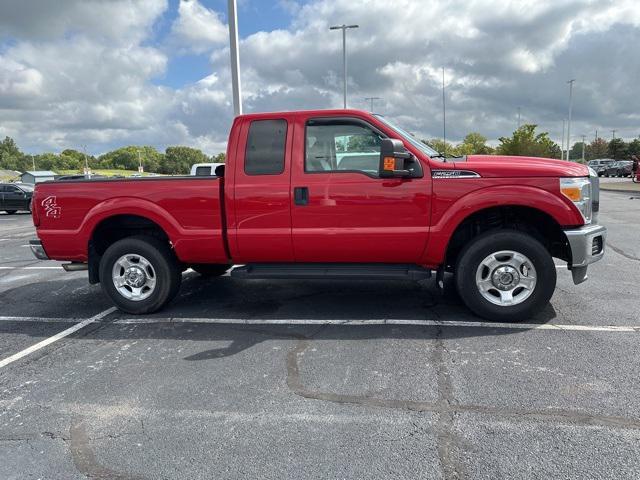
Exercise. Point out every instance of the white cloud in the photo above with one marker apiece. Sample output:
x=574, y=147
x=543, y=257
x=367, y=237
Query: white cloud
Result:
x=87, y=71
x=197, y=28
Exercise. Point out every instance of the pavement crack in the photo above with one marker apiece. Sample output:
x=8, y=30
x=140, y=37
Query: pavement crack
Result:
x=85, y=460
x=446, y=440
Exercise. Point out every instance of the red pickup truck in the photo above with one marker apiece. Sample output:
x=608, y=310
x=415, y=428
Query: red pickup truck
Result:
x=331, y=194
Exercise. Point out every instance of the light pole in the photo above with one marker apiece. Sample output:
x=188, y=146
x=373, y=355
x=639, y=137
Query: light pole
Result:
x=371, y=99
x=570, y=82
x=33, y=162
x=518, y=117
x=344, y=55
x=584, y=139
x=235, y=58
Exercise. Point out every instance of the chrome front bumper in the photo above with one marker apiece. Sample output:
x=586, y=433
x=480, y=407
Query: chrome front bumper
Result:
x=587, y=246
x=38, y=250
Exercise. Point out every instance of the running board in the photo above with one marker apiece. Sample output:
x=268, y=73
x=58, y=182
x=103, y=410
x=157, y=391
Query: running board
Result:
x=332, y=271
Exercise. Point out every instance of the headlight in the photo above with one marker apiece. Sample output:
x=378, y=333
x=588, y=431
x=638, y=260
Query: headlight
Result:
x=578, y=190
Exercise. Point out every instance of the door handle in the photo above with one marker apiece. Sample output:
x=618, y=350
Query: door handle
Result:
x=301, y=195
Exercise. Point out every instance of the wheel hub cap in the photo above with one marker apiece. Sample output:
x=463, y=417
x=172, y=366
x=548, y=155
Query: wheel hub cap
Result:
x=135, y=277
x=505, y=277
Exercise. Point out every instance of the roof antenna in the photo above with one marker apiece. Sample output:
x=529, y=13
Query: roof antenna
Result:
x=444, y=120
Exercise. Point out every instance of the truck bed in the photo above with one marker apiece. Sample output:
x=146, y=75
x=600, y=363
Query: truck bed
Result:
x=188, y=209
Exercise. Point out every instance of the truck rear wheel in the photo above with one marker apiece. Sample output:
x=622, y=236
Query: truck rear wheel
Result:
x=505, y=276
x=140, y=274
x=10, y=212
x=210, y=269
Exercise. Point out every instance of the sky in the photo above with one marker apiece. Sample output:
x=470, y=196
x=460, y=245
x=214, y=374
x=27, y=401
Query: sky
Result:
x=100, y=74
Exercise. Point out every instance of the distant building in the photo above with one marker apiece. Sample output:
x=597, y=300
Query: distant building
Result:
x=37, y=177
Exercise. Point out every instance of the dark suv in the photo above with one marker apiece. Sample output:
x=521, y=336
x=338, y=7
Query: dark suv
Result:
x=14, y=197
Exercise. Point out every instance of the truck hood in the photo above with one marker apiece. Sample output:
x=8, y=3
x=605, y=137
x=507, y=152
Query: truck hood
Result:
x=511, y=166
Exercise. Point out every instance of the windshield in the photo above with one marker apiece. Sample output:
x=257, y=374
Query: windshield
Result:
x=426, y=149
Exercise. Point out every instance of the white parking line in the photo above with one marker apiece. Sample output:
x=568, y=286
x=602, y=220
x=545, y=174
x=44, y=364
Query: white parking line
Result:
x=55, y=338
x=312, y=321
x=31, y=268
x=40, y=319
x=385, y=321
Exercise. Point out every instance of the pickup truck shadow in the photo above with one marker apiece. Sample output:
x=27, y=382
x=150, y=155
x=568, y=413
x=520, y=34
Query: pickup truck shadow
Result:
x=226, y=298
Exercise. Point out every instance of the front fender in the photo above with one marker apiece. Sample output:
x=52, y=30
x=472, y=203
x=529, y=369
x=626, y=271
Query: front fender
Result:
x=557, y=207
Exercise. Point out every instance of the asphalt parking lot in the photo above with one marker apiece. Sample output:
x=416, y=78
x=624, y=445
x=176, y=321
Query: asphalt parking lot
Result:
x=290, y=379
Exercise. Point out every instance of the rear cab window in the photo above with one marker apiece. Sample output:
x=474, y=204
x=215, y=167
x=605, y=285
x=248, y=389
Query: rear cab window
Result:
x=265, y=148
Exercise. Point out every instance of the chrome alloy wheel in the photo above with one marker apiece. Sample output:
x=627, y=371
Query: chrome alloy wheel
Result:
x=506, y=278
x=134, y=277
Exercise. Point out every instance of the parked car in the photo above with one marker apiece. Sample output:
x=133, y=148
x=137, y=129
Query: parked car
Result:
x=204, y=169
x=611, y=170
x=625, y=168
x=15, y=197
x=600, y=165
x=288, y=209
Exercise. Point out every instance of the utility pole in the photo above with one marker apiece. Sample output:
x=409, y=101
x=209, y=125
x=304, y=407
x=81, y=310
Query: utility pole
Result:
x=33, y=162
x=613, y=137
x=518, y=117
x=583, y=140
x=563, y=127
x=371, y=99
x=140, y=169
x=444, y=119
x=596, y=139
x=235, y=57
x=570, y=82
x=87, y=172
x=344, y=56
x=613, y=134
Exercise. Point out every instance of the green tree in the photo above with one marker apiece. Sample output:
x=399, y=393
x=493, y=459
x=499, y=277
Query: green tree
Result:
x=525, y=142
x=128, y=158
x=219, y=158
x=617, y=149
x=597, y=149
x=11, y=158
x=576, y=151
x=178, y=160
x=443, y=147
x=633, y=147
x=474, y=143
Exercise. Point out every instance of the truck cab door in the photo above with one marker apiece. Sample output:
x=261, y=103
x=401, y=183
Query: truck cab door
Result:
x=342, y=211
x=260, y=219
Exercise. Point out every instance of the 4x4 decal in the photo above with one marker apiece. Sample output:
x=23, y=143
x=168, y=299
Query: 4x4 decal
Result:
x=51, y=209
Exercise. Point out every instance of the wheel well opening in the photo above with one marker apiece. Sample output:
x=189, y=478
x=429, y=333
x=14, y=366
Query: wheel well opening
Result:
x=116, y=228
x=528, y=220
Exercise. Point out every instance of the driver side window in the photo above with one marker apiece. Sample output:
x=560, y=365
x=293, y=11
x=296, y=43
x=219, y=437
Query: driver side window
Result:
x=341, y=146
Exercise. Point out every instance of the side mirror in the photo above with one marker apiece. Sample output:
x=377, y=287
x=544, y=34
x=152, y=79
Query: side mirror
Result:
x=394, y=159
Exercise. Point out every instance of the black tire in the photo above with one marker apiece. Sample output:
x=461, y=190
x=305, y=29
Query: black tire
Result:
x=162, y=259
x=211, y=269
x=10, y=212
x=495, y=241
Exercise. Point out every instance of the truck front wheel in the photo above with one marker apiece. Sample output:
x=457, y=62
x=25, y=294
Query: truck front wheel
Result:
x=140, y=274
x=505, y=276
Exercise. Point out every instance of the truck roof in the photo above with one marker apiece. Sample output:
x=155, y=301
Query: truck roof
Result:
x=335, y=111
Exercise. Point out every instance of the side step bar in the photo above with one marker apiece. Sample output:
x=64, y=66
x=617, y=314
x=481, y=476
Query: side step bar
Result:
x=331, y=271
